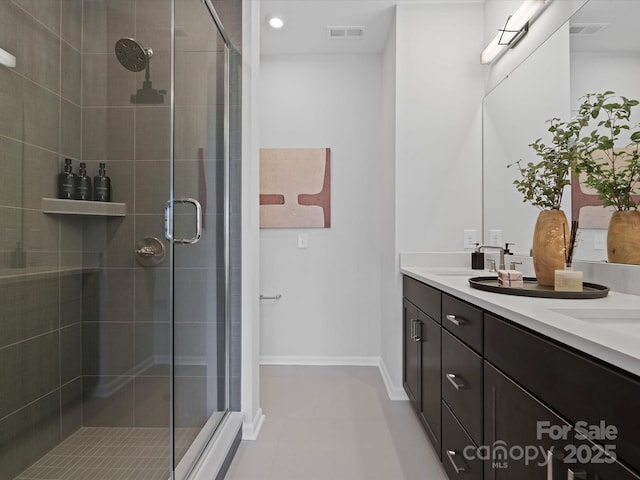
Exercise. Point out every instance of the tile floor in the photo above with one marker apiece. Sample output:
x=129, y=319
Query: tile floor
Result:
x=111, y=454
x=334, y=423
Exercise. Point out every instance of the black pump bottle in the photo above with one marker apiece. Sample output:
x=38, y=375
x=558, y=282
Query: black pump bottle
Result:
x=67, y=182
x=102, y=185
x=83, y=184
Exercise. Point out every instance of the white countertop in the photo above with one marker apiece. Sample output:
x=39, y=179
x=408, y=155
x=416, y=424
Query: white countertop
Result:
x=615, y=341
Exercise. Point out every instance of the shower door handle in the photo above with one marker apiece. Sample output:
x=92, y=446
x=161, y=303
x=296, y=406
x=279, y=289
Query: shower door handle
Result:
x=168, y=231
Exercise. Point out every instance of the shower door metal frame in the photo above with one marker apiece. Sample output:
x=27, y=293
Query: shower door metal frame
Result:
x=189, y=462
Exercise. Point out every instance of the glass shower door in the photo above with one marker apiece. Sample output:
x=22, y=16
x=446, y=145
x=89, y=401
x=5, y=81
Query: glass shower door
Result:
x=199, y=238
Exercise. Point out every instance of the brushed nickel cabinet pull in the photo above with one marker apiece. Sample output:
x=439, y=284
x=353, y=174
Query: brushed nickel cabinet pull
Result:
x=455, y=381
x=455, y=320
x=452, y=455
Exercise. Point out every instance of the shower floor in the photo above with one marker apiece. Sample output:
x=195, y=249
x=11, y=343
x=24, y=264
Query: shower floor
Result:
x=111, y=454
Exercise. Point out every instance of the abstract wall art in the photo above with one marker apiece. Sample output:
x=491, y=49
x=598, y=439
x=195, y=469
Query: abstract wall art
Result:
x=295, y=188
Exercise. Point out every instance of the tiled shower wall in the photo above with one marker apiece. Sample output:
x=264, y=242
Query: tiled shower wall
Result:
x=82, y=320
x=125, y=328
x=40, y=255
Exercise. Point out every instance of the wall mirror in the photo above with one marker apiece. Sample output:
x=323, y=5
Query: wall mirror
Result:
x=595, y=50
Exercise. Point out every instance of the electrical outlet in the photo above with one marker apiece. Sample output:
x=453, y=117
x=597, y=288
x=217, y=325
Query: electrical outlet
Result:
x=470, y=238
x=495, y=238
x=598, y=241
x=303, y=240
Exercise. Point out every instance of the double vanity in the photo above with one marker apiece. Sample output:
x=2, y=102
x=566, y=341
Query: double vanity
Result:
x=519, y=388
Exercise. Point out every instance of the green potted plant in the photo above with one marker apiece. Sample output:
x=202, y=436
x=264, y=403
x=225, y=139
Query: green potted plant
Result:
x=613, y=171
x=542, y=184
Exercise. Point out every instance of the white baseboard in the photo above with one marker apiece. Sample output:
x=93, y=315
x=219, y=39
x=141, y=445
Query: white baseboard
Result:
x=395, y=393
x=320, y=361
x=251, y=430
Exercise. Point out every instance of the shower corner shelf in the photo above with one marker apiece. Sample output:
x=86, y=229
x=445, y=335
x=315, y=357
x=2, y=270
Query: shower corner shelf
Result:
x=83, y=207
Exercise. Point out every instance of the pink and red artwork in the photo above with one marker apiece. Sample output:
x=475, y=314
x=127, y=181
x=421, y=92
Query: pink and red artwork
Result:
x=295, y=188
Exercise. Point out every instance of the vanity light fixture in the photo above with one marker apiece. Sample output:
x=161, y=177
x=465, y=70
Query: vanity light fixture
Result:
x=515, y=29
x=7, y=59
x=275, y=21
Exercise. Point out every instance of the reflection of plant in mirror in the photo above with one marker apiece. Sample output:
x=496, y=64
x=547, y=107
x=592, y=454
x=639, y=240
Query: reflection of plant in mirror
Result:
x=616, y=178
x=543, y=183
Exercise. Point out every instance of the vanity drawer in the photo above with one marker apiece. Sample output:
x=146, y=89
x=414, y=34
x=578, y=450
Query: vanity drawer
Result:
x=454, y=442
x=463, y=320
x=462, y=384
x=577, y=387
x=426, y=298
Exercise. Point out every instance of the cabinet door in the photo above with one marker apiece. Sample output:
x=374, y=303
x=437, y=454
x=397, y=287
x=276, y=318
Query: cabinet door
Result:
x=430, y=412
x=588, y=461
x=512, y=419
x=411, y=353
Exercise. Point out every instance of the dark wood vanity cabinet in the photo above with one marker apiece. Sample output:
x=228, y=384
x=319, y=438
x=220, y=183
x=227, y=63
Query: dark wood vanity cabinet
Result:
x=422, y=355
x=482, y=385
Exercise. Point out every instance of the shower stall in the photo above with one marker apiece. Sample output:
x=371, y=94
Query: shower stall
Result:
x=120, y=320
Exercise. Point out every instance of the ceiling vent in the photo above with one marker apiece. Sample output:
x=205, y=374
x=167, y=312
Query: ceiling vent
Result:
x=586, y=29
x=345, y=32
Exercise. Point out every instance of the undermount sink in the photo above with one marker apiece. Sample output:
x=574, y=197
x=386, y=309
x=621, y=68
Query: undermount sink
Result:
x=459, y=273
x=602, y=316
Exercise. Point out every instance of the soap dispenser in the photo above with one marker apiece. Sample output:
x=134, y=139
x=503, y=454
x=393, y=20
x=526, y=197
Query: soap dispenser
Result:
x=67, y=182
x=477, y=259
x=102, y=185
x=83, y=187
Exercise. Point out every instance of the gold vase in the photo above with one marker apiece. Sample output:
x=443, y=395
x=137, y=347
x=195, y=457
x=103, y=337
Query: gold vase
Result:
x=623, y=238
x=549, y=245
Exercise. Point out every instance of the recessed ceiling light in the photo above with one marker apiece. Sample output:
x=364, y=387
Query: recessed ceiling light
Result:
x=275, y=21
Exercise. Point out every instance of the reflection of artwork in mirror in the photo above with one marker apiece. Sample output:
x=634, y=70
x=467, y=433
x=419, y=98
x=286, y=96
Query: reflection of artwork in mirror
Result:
x=605, y=55
x=586, y=207
x=295, y=187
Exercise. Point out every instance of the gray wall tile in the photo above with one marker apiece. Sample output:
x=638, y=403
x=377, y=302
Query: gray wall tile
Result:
x=107, y=20
x=152, y=295
x=28, y=308
x=151, y=402
x=70, y=124
x=107, y=134
x=28, y=434
x=45, y=11
x=153, y=133
x=107, y=401
x=153, y=20
x=38, y=47
x=70, y=353
x=71, y=73
x=105, y=82
x=107, y=348
x=31, y=368
x=71, y=401
x=72, y=22
x=152, y=186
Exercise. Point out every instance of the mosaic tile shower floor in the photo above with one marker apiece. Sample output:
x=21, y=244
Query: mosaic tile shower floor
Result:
x=111, y=454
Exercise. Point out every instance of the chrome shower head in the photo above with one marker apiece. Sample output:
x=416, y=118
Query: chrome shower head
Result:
x=132, y=55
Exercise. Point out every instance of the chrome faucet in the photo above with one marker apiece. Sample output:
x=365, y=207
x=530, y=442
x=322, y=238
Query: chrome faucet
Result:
x=480, y=248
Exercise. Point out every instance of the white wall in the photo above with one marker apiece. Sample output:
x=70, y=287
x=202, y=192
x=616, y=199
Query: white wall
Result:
x=250, y=381
x=330, y=309
x=438, y=125
x=390, y=294
x=439, y=86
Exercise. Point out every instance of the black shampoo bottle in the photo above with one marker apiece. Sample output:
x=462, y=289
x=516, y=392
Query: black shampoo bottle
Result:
x=83, y=184
x=67, y=182
x=102, y=185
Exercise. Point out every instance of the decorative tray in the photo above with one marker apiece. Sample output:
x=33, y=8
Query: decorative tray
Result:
x=532, y=289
